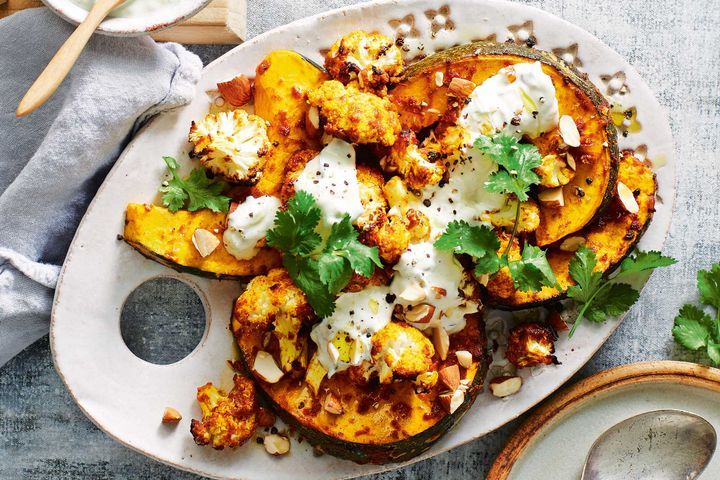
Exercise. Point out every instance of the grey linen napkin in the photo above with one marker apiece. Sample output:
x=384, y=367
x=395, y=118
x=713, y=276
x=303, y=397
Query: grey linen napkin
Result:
x=53, y=161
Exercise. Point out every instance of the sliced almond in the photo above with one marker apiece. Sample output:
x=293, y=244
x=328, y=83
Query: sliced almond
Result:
x=571, y=244
x=552, y=197
x=450, y=376
x=205, y=242
x=237, y=91
x=422, y=313
x=170, y=415
x=276, y=444
x=312, y=122
x=439, y=79
x=441, y=341
x=461, y=88
x=439, y=292
x=331, y=404
x=505, y=386
x=570, y=160
x=627, y=199
x=334, y=352
x=414, y=293
x=266, y=367
x=451, y=401
x=569, y=131
x=465, y=358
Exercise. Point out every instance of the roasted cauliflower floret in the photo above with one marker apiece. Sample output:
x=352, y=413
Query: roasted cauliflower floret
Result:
x=355, y=116
x=231, y=144
x=451, y=143
x=419, y=167
x=530, y=344
x=528, y=222
x=273, y=302
x=371, y=58
x=401, y=351
x=554, y=172
x=228, y=420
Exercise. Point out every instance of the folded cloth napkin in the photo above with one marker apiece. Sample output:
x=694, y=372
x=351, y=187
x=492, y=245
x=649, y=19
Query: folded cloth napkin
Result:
x=53, y=161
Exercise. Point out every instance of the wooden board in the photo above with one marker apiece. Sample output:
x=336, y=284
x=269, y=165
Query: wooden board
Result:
x=221, y=22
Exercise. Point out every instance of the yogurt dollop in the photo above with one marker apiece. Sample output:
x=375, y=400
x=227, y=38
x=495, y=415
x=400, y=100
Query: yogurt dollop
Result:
x=248, y=224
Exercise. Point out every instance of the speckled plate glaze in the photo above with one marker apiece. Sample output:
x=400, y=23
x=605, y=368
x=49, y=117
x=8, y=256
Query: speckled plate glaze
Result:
x=125, y=396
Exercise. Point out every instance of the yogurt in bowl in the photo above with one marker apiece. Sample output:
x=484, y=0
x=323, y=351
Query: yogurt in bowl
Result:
x=134, y=17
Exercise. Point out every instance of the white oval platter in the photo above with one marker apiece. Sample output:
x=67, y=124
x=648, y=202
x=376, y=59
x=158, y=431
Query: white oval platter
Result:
x=125, y=396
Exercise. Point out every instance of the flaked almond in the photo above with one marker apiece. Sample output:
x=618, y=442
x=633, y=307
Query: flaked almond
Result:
x=441, y=341
x=570, y=160
x=276, y=444
x=569, y=131
x=461, y=88
x=552, y=197
x=237, y=91
x=627, y=199
x=556, y=321
x=451, y=401
x=422, y=313
x=332, y=404
x=333, y=352
x=205, y=242
x=266, y=367
x=265, y=418
x=450, y=376
x=465, y=358
x=571, y=244
x=170, y=415
x=439, y=79
x=439, y=292
x=414, y=293
x=505, y=386
x=312, y=122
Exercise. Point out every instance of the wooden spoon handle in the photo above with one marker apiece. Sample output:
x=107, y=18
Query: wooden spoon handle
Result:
x=63, y=61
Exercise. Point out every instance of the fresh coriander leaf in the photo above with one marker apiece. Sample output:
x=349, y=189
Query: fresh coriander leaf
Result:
x=645, y=261
x=582, y=270
x=334, y=272
x=692, y=327
x=502, y=182
x=201, y=191
x=532, y=271
x=708, y=282
x=477, y=241
x=304, y=272
x=713, y=351
x=612, y=301
x=343, y=242
x=517, y=161
x=294, y=229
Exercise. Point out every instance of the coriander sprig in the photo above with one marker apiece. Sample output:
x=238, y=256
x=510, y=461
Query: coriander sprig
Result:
x=197, y=189
x=320, y=269
x=607, y=297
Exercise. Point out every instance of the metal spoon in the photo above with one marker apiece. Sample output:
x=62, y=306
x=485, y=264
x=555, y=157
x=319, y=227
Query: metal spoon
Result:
x=658, y=445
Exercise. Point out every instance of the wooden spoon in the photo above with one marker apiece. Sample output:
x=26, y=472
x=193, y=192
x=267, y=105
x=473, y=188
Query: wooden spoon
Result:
x=63, y=61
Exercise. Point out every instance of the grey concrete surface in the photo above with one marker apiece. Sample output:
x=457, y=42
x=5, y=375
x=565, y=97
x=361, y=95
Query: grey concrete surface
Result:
x=675, y=46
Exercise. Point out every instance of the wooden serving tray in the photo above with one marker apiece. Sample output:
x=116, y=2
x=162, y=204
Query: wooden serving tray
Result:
x=221, y=22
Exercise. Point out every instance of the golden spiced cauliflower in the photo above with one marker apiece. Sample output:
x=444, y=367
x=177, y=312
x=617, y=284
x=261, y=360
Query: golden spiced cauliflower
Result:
x=419, y=167
x=371, y=58
x=402, y=351
x=530, y=344
x=273, y=302
x=356, y=116
x=231, y=144
x=528, y=221
x=554, y=172
x=228, y=420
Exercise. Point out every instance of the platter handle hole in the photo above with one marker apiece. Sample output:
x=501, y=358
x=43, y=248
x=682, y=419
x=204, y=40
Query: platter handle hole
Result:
x=162, y=320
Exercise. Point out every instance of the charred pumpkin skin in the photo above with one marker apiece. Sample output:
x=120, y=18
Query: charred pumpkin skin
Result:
x=612, y=238
x=166, y=237
x=421, y=103
x=381, y=423
x=282, y=82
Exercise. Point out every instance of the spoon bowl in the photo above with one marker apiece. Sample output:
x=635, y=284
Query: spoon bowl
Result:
x=658, y=445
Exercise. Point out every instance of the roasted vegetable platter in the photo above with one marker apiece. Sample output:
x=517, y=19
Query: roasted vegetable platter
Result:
x=407, y=223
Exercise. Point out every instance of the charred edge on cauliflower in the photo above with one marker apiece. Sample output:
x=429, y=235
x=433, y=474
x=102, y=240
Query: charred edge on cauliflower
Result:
x=418, y=166
x=531, y=344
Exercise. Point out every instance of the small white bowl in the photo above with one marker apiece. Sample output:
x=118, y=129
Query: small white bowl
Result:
x=127, y=20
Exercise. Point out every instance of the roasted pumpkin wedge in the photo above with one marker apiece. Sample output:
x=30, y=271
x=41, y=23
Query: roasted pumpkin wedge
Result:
x=282, y=81
x=345, y=416
x=422, y=99
x=611, y=237
x=167, y=238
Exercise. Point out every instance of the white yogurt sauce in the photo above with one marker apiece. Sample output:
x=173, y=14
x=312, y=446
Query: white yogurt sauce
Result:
x=131, y=8
x=433, y=270
x=331, y=178
x=356, y=318
x=248, y=224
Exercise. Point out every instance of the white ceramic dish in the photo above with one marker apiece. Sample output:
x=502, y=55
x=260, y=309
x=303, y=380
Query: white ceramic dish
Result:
x=125, y=396
x=127, y=24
